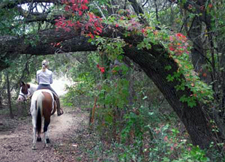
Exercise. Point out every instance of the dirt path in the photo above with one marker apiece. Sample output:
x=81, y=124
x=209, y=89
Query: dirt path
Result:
x=15, y=144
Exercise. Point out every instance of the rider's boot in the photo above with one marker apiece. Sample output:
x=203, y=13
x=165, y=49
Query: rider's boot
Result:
x=59, y=110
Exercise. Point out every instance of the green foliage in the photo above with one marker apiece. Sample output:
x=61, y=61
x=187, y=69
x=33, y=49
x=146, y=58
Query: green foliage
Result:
x=9, y=22
x=84, y=72
x=114, y=93
x=145, y=136
x=113, y=48
x=134, y=122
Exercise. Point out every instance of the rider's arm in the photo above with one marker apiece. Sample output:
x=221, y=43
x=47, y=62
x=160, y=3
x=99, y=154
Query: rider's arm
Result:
x=51, y=80
x=37, y=77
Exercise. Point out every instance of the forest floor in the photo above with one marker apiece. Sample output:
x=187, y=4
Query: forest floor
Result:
x=16, y=138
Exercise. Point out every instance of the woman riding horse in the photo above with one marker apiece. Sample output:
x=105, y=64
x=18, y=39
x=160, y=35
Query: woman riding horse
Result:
x=44, y=79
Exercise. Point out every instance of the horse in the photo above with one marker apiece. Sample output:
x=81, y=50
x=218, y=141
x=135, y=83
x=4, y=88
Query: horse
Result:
x=42, y=107
x=26, y=91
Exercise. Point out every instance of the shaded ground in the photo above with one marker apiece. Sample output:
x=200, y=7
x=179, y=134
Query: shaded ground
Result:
x=16, y=138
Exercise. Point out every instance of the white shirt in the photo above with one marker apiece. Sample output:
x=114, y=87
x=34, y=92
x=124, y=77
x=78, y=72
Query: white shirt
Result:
x=44, y=77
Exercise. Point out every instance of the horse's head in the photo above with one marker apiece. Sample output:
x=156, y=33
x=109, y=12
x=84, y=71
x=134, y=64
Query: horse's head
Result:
x=24, y=92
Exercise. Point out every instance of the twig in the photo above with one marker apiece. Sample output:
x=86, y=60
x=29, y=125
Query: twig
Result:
x=100, y=10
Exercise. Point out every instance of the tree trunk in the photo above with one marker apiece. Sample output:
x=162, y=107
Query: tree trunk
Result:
x=193, y=118
x=1, y=102
x=9, y=95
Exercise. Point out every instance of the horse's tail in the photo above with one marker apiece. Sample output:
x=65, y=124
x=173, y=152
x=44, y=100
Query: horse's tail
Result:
x=39, y=111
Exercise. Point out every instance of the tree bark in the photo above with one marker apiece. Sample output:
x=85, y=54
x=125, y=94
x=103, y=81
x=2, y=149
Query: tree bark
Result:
x=9, y=95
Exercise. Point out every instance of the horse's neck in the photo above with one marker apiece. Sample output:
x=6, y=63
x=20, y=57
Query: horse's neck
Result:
x=33, y=88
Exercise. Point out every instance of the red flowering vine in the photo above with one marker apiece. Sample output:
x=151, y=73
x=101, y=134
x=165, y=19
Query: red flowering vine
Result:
x=64, y=24
x=178, y=44
x=77, y=6
x=90, y=25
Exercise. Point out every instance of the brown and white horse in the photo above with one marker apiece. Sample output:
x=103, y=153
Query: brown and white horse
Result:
x=42, y=107
x=26, y=91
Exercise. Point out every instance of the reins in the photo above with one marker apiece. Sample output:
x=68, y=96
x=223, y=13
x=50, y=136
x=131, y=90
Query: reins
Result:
x=25, y=99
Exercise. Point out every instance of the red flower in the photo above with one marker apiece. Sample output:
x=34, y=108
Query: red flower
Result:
x=122, y=17
x=179, y=35
x=78, y=24
x=91, y=35
x=117, y=25
x=67, y=8
x=85, y=1
x=91, y=16
x=189, y=6
x=70, y=23
x=84, y=7
x=99, y=29
x=165, y=138
x=210, y=5
x=171, y=148
x=102, y=69
x=171, y=49
x=80, y=13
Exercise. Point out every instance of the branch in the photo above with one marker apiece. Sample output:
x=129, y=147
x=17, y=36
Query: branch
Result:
x=202, y=14
x=100, y=10
x=139, y=11
x=145, y=3
x=14, y=3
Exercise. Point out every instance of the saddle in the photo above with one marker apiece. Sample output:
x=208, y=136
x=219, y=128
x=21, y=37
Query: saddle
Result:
x=56, y=100
x=56, y=103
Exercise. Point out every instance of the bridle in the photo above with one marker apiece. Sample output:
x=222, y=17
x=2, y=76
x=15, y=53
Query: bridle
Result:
x=24, y=96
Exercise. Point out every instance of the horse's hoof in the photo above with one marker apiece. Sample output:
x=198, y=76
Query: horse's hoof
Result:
x=39, y=139
x=47, y=140
x=46, y=145
x=33, y=148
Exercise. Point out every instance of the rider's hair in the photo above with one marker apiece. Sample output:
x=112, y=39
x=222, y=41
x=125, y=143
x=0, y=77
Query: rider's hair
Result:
x=44, y=65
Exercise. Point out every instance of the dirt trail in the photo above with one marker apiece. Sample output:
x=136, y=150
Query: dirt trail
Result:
x=15, y=145
x=16, y=134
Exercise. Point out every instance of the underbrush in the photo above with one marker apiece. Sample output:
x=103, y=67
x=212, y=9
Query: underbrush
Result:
x=138, y=141
x=144, y=134
x=18, y=109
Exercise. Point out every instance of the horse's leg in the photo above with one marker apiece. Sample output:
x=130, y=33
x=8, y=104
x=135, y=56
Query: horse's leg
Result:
x=34, y=131
x=39, y=137
x=46, y=124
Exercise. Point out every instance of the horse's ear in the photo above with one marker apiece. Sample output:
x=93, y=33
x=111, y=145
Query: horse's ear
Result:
x=28, y=85
x=22, y=83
